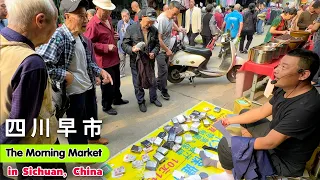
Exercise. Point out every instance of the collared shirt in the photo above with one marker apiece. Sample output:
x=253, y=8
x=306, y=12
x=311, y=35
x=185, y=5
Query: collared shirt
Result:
x=29, y=83
x=59, y=52
x=102, y=36
x=3, y=23
x=233, y=21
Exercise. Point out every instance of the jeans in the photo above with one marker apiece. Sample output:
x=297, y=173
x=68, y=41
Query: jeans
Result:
x=111, y=93
x=82, y=107
x=245, y=35
x=162, y=61
x=191, y=37
x=206, y=40
x=139, y=92
x=257, y=129
x=123, y=58
x=260, y=27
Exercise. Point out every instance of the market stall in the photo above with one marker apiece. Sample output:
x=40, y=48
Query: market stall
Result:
x=152, y=158
x=249, y=73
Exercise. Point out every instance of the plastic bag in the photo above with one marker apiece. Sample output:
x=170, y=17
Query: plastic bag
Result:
x=198, y=39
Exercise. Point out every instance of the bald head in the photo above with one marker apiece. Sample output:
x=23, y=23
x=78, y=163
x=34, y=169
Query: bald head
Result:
x=165, y=8
x=135, y=6
x=237, y=7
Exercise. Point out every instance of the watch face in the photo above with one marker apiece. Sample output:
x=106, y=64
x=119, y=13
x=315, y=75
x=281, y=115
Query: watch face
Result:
x=146, y=143
x=162, y=134
x=136, y=149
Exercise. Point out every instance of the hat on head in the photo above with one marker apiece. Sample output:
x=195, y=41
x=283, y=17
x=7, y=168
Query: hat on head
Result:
x=150, y=13
x=104, y=4
x=68, y=6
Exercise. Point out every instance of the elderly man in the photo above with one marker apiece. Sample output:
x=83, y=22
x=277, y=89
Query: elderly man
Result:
x=147, y=33
x=121, y=30
x=233, y=22
x=165, y=26
x=70, y=62
x=193, y=22
x=136, y=8
x=103, y=37
x=25, y=88
x=3, y=15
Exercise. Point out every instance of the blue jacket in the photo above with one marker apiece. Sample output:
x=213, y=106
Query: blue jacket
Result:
x=121, y=34
x=247, y=162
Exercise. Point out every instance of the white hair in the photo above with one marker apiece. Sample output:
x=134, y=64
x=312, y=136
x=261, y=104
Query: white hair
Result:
x=22, y=12
x=91, y=11
x=125, y=11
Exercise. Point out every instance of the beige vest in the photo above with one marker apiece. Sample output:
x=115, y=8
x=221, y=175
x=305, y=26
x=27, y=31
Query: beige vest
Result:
x=11, y=56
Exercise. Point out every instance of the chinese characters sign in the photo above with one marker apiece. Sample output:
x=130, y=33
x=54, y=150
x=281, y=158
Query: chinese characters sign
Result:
x=186, y=160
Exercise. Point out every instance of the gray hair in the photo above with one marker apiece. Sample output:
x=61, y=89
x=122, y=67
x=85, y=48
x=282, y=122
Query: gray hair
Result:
x=91, y=11
x=125, y=11
x=22, y=12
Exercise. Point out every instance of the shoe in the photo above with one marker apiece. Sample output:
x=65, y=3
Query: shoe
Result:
x=103, y=141
x=120, y=102
x=157, y=103
x=165, y=96
x=122, y=75
x=143, y=107
x=241, y=51
x=245, y=51
x=110, y=111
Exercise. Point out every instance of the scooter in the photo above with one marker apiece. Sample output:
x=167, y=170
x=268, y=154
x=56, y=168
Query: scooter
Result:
x=190, y=62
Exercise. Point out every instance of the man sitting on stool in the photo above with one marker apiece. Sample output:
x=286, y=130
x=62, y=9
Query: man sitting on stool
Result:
x=294, y=133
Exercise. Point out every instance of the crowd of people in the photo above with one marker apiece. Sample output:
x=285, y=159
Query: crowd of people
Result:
x=86, y=51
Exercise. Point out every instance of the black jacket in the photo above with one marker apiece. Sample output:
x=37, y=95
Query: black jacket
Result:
x=134, y=35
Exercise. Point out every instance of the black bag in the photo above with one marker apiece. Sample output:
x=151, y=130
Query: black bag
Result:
x=60, y=99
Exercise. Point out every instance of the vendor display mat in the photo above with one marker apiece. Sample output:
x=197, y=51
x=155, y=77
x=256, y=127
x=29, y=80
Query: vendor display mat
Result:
x=185, y=160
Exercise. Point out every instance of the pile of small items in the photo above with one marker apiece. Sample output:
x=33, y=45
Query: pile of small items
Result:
x=169, y=139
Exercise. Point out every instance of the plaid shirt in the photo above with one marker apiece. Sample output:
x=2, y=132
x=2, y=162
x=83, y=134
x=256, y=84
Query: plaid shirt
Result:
x=58, y=54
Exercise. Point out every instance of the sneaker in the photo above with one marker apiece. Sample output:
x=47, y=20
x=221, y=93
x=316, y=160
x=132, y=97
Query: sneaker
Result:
x=122, y=75
x=245, y=51
x=165, y=96
x=143, y=107
x=157, y=103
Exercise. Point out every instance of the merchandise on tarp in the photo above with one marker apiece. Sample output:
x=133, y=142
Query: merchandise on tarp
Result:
x=172, y=150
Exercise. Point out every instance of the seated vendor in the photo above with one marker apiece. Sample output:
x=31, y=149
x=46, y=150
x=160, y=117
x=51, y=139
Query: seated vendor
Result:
x=279, y=25
x=293, y=134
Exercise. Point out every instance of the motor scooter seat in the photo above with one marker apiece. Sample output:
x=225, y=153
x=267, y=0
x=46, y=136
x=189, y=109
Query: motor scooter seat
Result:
x=199, y=51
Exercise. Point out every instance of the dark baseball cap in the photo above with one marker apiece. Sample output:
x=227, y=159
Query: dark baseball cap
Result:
x=150, y=13
x=68, y=6
x=252, y=6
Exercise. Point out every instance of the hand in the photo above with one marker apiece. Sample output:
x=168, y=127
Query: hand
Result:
x=69, y=78
x=116, y=36
x=106, y=78
x=135, y=49
x=310, y=27
x=151, y=55
x=285, y=32
x=98, y=81
x=169, y=53
x=239, y=34
x=225, y=122
x=182, y=30
x=111, y=47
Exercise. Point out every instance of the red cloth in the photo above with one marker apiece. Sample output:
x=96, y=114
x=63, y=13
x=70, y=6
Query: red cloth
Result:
x=261, y=69
x=101, y=36
x=136, y=18
x=219, y=18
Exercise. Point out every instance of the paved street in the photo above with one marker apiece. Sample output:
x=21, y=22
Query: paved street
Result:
x=130, y=124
